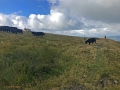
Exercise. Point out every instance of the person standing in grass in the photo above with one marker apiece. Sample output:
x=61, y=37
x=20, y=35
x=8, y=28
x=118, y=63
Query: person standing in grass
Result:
x=105, y=38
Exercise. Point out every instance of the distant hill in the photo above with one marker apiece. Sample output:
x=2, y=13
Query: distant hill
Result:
x=116, y=38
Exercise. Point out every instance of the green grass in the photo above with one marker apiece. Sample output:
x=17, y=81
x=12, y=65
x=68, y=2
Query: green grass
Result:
x=57, y=62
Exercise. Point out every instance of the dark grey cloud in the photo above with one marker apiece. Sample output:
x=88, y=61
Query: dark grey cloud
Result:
x=102, y=10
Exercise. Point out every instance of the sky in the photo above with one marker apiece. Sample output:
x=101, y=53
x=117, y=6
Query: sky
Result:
x=90, y=18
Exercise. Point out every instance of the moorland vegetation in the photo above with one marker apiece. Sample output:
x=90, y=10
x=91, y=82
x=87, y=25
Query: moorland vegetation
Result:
x=58, y=62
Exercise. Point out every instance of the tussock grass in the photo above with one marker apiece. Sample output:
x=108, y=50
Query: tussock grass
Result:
x=58, y=62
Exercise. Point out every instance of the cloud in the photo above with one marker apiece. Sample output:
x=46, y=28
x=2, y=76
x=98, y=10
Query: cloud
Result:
x=102, y=10
x=13, y=20
x=98, y=17
x=53, y=2
x=4, y=20
x=73, y=17
x=54, y=21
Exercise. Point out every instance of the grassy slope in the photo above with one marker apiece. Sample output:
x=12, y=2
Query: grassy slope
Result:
x=57, y=62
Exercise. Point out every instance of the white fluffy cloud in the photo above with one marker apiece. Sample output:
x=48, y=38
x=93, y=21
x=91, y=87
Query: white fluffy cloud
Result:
x=56, y=20
x=73, y=17
x=13, y=20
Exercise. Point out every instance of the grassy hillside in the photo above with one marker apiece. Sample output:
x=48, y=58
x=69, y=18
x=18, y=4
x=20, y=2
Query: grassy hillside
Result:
x=57, y=62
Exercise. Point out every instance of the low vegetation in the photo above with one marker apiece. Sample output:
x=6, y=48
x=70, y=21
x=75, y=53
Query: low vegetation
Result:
x=57, y=62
